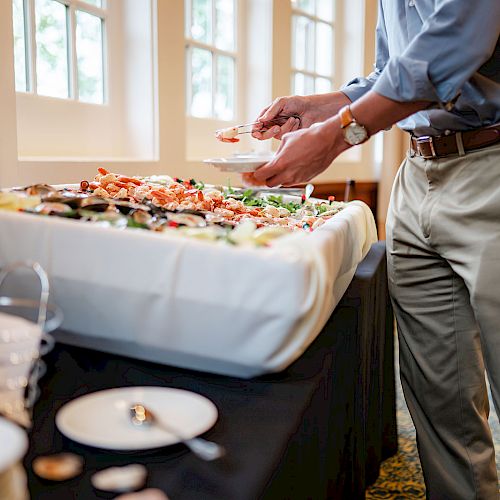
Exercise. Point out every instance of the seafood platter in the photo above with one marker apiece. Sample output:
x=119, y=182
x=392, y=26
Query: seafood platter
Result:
x=227, y=280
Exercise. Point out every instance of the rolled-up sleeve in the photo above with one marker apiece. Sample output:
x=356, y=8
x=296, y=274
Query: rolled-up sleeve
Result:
x=454, y=42
x=359, y=86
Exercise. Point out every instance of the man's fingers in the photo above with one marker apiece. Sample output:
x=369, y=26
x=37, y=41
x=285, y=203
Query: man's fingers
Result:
x=296, y=125
x=257, y=129
x=269, y=133
x=274, y=109
x=287, y=127
x=249, y=180
x=274, y=167
x=275, y=181
x=263, y=111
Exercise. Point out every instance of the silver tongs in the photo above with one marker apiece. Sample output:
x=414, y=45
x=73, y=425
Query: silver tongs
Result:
x=229, y=133
x=278, y=120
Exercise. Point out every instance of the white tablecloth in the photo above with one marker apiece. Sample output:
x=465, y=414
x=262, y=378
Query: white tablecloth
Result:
x=175, y=300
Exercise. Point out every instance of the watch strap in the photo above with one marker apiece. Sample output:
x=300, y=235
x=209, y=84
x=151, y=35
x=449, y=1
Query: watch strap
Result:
x=346, y=117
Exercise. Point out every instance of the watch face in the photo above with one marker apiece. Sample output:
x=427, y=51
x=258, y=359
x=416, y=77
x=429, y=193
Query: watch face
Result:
x=355, y=133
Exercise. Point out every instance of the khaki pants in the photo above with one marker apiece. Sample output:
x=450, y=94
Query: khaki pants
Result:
x=443, y=241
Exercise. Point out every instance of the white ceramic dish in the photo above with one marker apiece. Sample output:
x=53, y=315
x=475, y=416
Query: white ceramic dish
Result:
x=101, y=419
x=239, y=163
x=14, y=444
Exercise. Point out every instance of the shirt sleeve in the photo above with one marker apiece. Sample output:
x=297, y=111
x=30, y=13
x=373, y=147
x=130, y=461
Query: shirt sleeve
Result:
x=359, y=86
x=454, y=42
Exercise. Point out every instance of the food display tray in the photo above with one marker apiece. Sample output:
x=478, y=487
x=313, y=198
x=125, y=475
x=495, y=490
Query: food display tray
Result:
x=235, y=310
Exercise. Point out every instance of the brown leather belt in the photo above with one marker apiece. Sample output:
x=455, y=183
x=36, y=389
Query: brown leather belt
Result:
x=428, y=146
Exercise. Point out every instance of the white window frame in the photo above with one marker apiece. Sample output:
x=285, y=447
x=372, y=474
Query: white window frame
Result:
x=125, y=125
x=199, y=142
x=315, y=20
x=30, y=41
x=216, y=52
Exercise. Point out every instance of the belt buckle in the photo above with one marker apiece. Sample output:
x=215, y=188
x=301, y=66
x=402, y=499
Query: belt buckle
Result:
x=427, y=139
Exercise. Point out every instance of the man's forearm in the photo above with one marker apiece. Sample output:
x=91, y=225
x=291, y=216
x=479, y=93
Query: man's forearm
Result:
x=324, y=106
x=377, y=112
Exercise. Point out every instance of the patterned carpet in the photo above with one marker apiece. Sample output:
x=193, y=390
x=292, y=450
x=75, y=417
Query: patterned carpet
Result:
x=401, y=475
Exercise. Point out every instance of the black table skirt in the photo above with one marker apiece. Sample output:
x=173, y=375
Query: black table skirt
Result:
x=317, y=430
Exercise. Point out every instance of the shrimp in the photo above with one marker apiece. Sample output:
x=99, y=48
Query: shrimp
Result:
x=224, y=212
x=99, y=191
x=112, y=188
x=107, y=179
x=164, y=195
x=234, y=205
x=122, y=193
x=215, y=196
x=227, y=134
x=129, y=180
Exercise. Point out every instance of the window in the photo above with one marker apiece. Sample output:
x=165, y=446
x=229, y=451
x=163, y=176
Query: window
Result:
x=312, y=46
x=59, y=48
x=211, y=58
x=86, y=78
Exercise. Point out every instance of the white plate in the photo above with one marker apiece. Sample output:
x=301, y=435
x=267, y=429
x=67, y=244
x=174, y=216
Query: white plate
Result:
x=239, y=163
x=14, y=444
x=101, y=419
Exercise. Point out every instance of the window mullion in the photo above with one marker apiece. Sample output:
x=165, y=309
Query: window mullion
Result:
x=189, y=79
x=315, y=48
x=214, y=81
x=310, y=73
x=105, y=62
x=86, y=7
x=214, y=56
x=312, y=17
x=72, y=57
x=27, y=51
x=31, y=33
x=188, y=14
x=206, y=46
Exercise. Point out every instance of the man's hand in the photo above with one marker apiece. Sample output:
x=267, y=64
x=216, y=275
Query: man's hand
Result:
x=306, y=153
x=302, y=155
x=310, y=110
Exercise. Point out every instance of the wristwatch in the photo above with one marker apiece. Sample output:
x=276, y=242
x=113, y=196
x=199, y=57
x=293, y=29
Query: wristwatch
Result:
x=354, y=132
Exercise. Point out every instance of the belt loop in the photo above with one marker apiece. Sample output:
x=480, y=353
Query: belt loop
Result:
x=413, y=153
x=460, y=144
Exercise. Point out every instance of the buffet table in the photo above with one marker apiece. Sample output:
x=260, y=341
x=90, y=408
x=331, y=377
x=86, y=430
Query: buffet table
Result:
x=317, y=430
x=234, y=310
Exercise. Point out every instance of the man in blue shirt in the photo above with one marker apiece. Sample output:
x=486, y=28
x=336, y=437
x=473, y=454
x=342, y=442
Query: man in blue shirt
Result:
x=437, y=75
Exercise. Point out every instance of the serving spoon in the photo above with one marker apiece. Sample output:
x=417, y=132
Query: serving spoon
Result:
x=202, y=448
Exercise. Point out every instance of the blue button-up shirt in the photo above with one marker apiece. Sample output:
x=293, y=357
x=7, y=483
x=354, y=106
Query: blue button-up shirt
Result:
x=444, y=51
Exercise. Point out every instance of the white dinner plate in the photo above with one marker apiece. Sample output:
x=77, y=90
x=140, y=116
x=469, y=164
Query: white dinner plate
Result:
x=239, y=163
x=101, y=419
x=14, y=444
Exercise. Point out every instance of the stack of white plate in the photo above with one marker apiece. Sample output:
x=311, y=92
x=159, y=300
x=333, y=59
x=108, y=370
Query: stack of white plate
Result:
x=19, y=348
x=14, y=443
